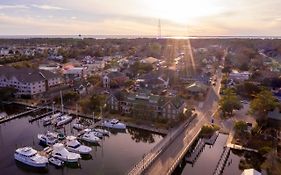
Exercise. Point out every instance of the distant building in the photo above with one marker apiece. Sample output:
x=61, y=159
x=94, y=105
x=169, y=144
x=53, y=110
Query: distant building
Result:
x=144, y=102
x=4, y=51
x=27, y=81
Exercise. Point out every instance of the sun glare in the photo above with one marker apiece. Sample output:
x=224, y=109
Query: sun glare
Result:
x=180, y=11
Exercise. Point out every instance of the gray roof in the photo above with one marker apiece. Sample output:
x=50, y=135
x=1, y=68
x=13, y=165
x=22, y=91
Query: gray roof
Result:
x=26, y=75
x=275, y=114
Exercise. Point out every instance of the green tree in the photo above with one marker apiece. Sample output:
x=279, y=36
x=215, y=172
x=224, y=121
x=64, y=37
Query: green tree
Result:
x=240, y=126
x=263, y=102
x=7, y=93
x=229, y=102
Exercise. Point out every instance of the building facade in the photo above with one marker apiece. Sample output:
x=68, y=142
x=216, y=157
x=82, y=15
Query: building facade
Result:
x=144, y=103
x=28, y=81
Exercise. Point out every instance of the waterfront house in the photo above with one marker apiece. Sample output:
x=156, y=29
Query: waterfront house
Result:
x=28, y=82
x=145, y=104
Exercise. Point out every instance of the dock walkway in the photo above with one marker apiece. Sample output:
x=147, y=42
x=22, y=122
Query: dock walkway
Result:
x=40, y=116
x=223, y=159
x=191, y=158
x=11, y=117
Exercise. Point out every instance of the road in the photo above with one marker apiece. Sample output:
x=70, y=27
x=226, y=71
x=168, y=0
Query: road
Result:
x=167, y=158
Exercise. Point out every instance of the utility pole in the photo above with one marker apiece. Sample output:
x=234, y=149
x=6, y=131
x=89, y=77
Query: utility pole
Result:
x=159, y=29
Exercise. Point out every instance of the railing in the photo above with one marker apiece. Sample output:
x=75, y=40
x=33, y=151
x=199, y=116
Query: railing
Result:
x=151, y=156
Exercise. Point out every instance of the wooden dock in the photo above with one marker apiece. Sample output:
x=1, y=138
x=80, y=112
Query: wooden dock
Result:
x=223, y=159
x=11, y=117
x=40, y=116
x=191, y=158
x=213, y=139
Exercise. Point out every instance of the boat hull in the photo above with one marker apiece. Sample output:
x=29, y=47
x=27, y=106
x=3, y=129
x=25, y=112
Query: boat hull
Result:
x=29, y=162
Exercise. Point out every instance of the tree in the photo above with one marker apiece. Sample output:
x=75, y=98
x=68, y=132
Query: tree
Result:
x=240, y=126
x=7, y=93
x=263, y=102
x=247, y=89
x=229, y=102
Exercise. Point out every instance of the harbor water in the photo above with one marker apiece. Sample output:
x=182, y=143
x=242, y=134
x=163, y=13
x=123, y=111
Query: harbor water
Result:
x=116, y=154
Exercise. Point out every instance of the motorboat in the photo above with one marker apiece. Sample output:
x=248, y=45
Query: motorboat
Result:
x=56, y=162
x=114, y=123
x=102, y=131
x=78, y=126
x=47, y=120
x=30, y=156
x=64, y=119
x=59, y=136
x=73, y=145
x=60, y=152
x=3, y=115
x=97, y=134
x=89, y=136
x=48, y=138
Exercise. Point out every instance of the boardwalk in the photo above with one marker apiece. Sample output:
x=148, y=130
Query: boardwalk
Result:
x=196, y=151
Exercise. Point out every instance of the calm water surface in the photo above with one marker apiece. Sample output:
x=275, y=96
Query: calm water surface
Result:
x=116, y=154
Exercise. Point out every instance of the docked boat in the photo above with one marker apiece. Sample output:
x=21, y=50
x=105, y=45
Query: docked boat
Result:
x=3, y=115
x=97, y=134
x=78, y=126
x=102, y=131
x=47, y=120
x=30, y=156
x=59, y=136
x=64, y=119
x=114, y=124
x=89, y=136
x=73, y=145
x=47, y=139
x=60, y=152
x=56, y=162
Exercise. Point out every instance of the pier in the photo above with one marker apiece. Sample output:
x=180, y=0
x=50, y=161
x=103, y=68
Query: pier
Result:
x=223, y=159
x=213, y=139
x=40, y=116
x=191, y=158
x=11, y=117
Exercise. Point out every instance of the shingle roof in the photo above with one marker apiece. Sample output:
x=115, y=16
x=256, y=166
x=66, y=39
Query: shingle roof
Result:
x=27, y=75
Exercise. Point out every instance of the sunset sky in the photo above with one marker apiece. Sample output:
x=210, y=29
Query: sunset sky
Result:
x=140, y=17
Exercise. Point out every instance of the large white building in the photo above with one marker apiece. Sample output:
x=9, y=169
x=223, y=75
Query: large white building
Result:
x=28, y=81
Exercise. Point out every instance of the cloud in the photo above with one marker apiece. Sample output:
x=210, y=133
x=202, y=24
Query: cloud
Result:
x=48, y=7
x=13, y=7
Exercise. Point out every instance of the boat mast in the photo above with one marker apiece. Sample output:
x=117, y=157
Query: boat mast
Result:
x=61, y=100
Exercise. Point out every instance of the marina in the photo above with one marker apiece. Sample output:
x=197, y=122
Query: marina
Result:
x=106, y=157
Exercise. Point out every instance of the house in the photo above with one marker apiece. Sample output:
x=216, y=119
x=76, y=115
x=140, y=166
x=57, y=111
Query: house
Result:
x=239, y=76
x=145, y=103
x=154, y=80
x=150, y=60
x=197, y=88
x=274, y=118
x=73, y=73
x=4, y=51
x=114, y=78
x=27, y=81
x=250, y=172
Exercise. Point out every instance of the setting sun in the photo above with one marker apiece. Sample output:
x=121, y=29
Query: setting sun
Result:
x=181, y=11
